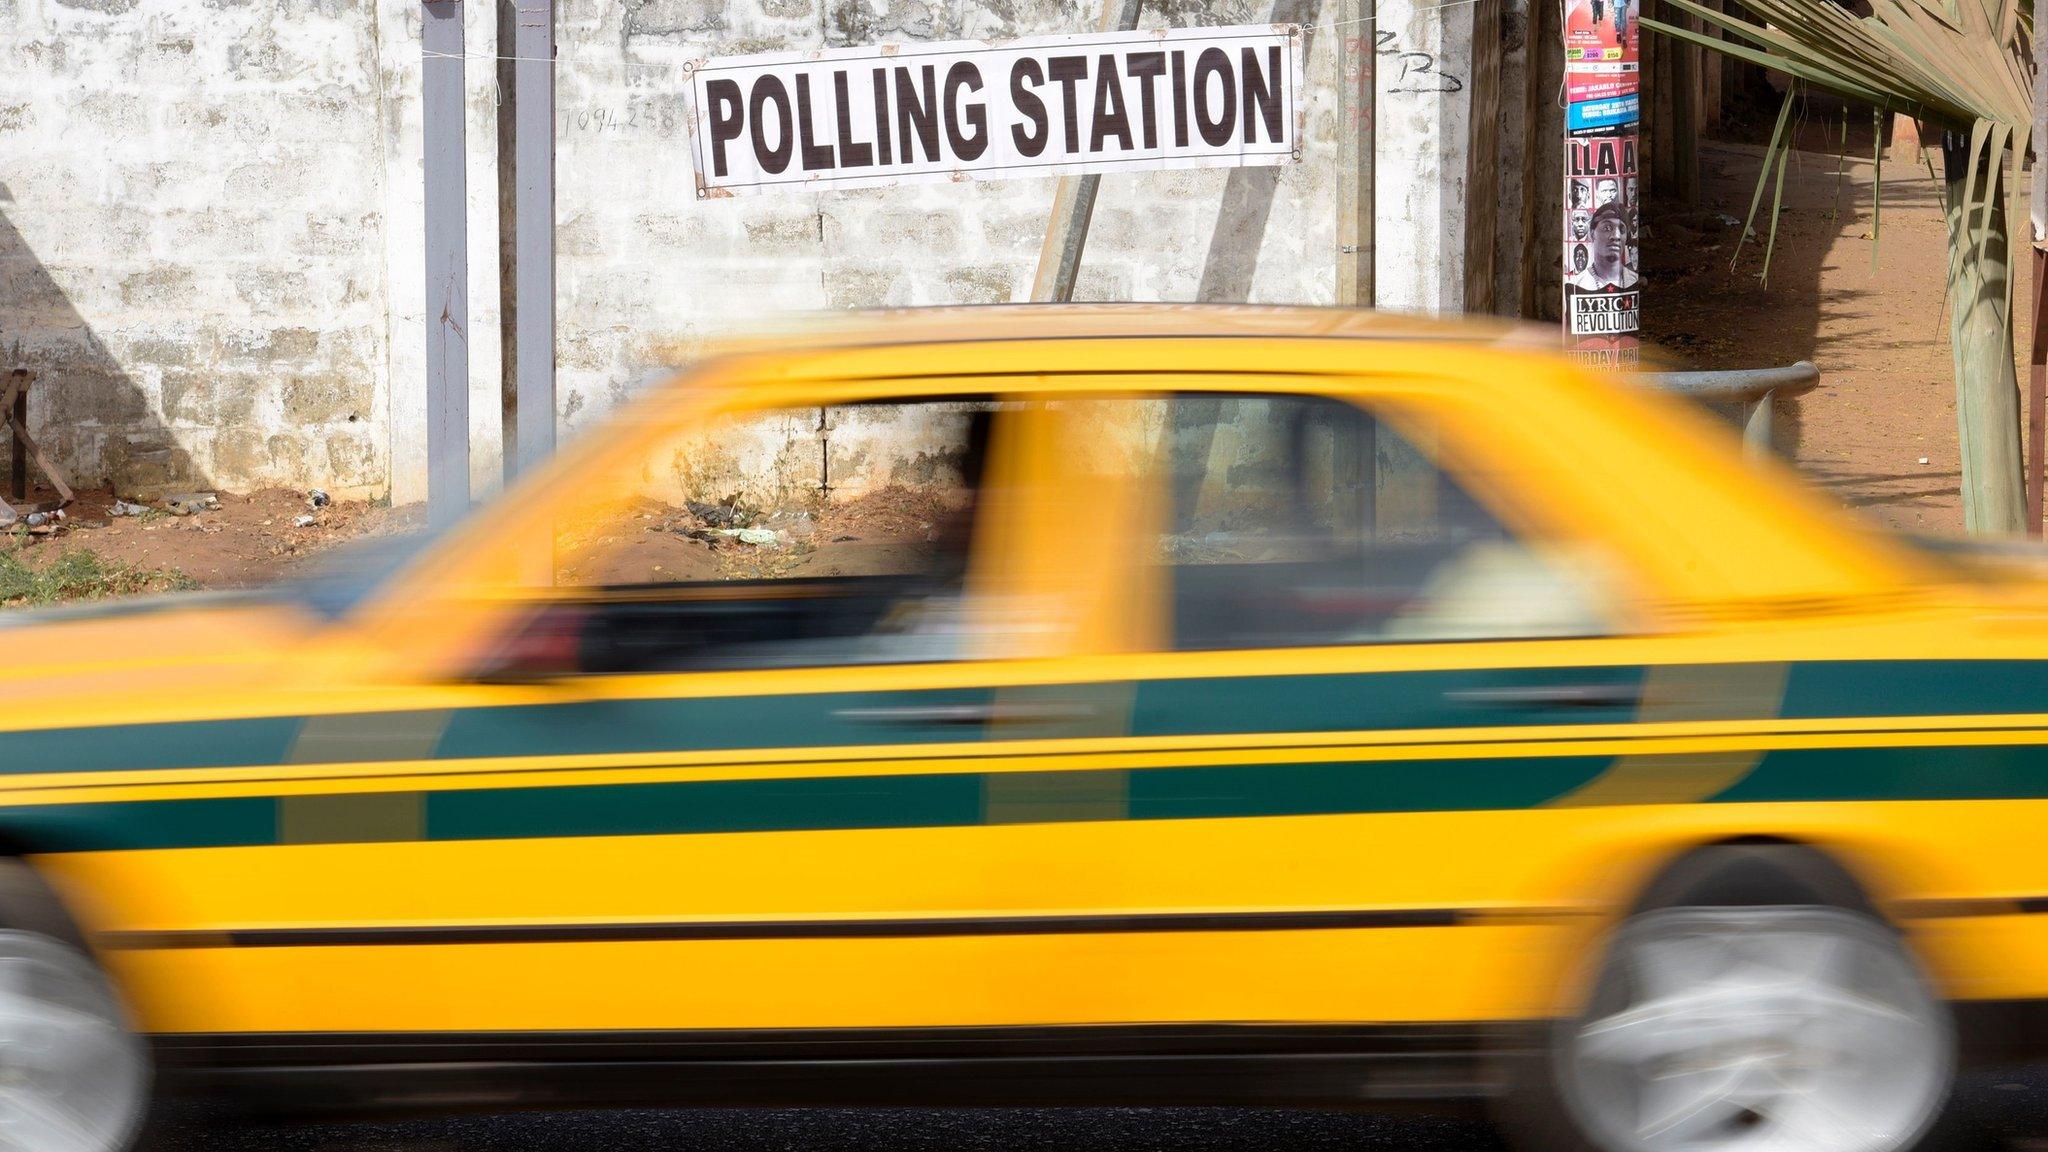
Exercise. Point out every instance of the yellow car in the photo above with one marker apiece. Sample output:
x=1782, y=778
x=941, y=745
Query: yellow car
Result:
x=1100, y=703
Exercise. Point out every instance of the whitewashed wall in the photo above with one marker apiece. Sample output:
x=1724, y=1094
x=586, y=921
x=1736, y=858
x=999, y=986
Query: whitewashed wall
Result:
x=212, y=231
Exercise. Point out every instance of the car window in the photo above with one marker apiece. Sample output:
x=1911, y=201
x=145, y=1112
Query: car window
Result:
x=1302, y=520
x=787, y=538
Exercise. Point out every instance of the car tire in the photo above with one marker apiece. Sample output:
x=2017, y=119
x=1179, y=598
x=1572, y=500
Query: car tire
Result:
x=74, y=1076
x=1744, y=1027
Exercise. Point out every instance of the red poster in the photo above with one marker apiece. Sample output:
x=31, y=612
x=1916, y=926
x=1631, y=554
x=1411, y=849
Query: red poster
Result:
x=1601, y=38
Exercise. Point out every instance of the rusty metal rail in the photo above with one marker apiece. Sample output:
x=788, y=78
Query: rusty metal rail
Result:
x=1752, y=388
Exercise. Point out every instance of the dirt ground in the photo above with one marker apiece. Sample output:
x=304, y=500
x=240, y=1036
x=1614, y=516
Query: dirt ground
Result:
x=1879, y=434
x=254, y=539
x=246, y=540
x=891, y=530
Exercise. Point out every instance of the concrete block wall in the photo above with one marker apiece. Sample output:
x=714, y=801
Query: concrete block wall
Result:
x=190, y=250
x=211, y=234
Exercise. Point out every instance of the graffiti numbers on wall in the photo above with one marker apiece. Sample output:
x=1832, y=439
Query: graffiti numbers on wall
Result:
x=661, y=117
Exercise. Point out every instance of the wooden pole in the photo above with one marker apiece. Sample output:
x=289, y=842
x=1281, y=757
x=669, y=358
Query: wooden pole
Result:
x=1905, y=147
x=1073, y=202
x=2037, y=361
x=1711, y=75
x=1482, y=158
x=1542, y=165
x=1684, y=137
x=1356, y=106
x=19, y=476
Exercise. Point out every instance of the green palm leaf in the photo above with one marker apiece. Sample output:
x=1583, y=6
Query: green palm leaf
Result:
x=1963, y=66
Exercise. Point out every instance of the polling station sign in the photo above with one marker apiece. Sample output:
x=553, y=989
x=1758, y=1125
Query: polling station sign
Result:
x=975, y=110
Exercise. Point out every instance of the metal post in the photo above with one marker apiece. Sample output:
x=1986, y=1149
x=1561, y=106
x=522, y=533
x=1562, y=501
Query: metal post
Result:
x=1073, y=204
x=534, y=246
x=1756, y=424
x=447, y=261
x=1356, y=201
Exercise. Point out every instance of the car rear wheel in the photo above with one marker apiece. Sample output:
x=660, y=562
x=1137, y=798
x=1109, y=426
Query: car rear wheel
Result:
x=73, y=1076
x=1752, y=1029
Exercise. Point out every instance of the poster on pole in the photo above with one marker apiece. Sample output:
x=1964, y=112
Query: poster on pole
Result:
x=976, y=110
x=1603, y=182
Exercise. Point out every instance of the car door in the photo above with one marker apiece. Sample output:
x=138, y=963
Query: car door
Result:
x=721, y=764
x=1351, y=675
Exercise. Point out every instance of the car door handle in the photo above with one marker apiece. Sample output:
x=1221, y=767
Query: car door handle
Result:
x=1001, y=712
x=1551, y=696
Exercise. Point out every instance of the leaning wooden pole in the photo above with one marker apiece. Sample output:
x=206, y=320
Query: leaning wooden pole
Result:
x=2037, y=360
x=1073, y=202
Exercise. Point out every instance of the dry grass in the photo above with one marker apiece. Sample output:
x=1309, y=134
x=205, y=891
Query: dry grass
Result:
x=80, y=574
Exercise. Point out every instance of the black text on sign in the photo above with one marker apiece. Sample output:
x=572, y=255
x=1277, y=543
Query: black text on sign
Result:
x=1123, y=101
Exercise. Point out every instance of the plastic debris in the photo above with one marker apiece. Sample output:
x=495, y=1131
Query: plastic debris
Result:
x=724, y=514
x=124, y=508
x=306, y=520
x=796, y=525
x=317, y=498
x=186, y=503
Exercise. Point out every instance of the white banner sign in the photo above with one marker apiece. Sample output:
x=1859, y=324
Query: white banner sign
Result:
x=971, y=110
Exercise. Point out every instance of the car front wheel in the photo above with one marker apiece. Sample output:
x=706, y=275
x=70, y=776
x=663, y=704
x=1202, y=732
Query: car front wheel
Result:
x=1747, y=1029
x=74, y=1077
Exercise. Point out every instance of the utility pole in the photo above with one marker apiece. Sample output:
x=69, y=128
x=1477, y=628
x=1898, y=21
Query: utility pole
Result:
x=447, y=261
x=534, y=242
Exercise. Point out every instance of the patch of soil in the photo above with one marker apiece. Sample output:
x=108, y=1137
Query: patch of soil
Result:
x=642, y=545
x=1859, y=295
x=891, y=530
x=246, y=541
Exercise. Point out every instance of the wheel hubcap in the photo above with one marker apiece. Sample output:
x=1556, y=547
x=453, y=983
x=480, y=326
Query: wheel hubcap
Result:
x=73, y=1078
x=1754, y=1030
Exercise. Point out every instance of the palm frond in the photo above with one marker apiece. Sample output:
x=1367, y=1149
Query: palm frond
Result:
x=1962, y=65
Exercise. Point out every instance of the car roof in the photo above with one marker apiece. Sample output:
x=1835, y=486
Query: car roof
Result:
x=959, y=324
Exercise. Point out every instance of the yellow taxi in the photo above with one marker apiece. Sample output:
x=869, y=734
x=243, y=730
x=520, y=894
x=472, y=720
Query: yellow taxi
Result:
x=1133, y=703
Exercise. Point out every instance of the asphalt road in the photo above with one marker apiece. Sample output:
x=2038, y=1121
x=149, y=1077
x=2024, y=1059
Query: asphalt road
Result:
x=2011, y=1106
x=865, y=1130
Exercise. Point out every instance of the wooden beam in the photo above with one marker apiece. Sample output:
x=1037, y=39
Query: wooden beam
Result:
x=1684, y=97
x=1712, y=81
x=1542, y=166
x=1482, y=163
